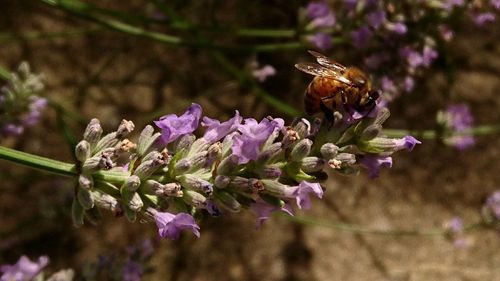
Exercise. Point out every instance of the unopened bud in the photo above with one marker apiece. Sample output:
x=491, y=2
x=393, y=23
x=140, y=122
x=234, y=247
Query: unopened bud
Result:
x=247, y=185
x=86, y=181
x=371, y=132
x=134, y=202
x=382, y=116
x=93, y=133
x=198, y=145
x=228, y=201
x=329, y=150
x=301, y=150
x=170, y=189
x=132, y=183
x=146, y=139
x=148, y=167
x=269, y=172
x=227, y=165
x=126, y=146
x=222, y=181
x=303, y=128
x=312, y=164
x=109, y=140
x=342, y=160
x=184, y=142
x=195, y=183
x=82, y=151
x=214, y=152
x=268, y=155
x=194, y=199
x=105, y=201
x=278, y=189
x=85, y=198
x=182, y=166
x=125, y=128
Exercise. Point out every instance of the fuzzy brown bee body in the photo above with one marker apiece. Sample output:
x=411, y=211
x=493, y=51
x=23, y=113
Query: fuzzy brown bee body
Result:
x=335, y=86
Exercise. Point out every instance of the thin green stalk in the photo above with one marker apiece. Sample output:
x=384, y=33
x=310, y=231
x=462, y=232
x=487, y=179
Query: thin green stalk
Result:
x=384, y=232
x=431, y=134
x=38, y=162
x=80, y=9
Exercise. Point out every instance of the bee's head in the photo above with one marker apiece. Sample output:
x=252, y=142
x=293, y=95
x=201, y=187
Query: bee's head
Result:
x=368, y=99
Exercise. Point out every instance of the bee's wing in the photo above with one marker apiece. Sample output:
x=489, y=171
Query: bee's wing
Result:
x=326, y=62
x=318, y=70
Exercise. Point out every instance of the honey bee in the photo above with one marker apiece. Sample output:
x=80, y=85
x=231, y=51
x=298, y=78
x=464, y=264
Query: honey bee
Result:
x=336, y=87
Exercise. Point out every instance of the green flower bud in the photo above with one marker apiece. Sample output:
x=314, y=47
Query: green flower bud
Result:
x=312, y=164
x=82, y=151
x=222, y=181
x=194, y=199
x=146, y=140
x=329, y=150
x=184, y=142
x=278, y=189
x=228, y=165
x=86, y=181
x=371, y=132
x=301, y=150
x=125, y=128
x=85, y=198
x=93, y=133
x=228, y=201
x=109, y=140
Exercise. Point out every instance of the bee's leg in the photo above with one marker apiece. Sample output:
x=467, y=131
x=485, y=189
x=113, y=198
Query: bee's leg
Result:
x=326, y=106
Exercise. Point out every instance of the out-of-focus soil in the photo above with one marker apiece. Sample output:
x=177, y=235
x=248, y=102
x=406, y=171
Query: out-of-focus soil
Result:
x=111, y=76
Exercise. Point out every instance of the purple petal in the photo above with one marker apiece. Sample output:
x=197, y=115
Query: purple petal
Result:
x=407, y=142
x=317, y=9
x=24, y=269
x=376, y=18
x=170, y=225
x=321, y=40
x=373, y=163
x=264, y=210
x=303, y=200
x=484, y=18
x=261, y=74
x=215, y=130
x=361, y=37
x=174, y=126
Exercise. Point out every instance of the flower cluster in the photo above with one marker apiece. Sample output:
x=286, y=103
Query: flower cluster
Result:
x=456, y=120
x=386, y=33
x=20, y=103
x=27, y=270
x=239, y=163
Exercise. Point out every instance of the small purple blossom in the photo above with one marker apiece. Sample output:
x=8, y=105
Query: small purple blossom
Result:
x=376, y=18
x=373, y=163
x=264, y=72
x=132, y=271
x=264, y=210
x=455, y=225
x=428, y=56
x=484, y=18
x=303, y=200
x=397, y=27
x=493, y=204
x=320, y=40
x=326, y=21
x=495, y=4
x=170, y=225
x=458, y=118
x=361, y=37
x=407, y=142
x=12, y=130
x=317, y=9
x=215, y=130
x=448, y=5
x=248, y=144
x=388, y=85
x=24, y=269
x=408, y=84
x=412, y=57
x=174, y=126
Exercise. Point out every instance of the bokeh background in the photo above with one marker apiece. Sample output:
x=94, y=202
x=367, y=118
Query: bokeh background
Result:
x=92, y=71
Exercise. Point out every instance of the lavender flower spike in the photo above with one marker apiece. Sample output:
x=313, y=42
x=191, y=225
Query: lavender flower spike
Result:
x=24, y=269
x=173, y=126
x=171, y=225
x=215, y=130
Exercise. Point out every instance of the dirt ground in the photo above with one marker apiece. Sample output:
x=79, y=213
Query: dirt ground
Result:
x=111, y=76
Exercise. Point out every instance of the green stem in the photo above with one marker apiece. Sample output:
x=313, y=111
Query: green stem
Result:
x=384, y=232
x=38, y=162
x=431, y=134
x=82, y=10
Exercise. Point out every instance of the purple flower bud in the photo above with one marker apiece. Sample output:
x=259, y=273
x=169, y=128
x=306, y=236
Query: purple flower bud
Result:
x=396, y=27
x=428, y=56
x=458, y=118
x=495, y=4
x=484, y=18
x=408, y=84
x=264, y=210
x=373, y=163
x=324, y=21
x=262, y=73
x=174, y=126
x=215, y=130
x=247, y=146
x=171, y=225
x=407, y=142
x=12, y=130
x=317, y=9
x=376, y=18
x=196, y=183
x=361, y=37
x=322, y=41
x=275, y=188
x=24, y=269
x=303, y=200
